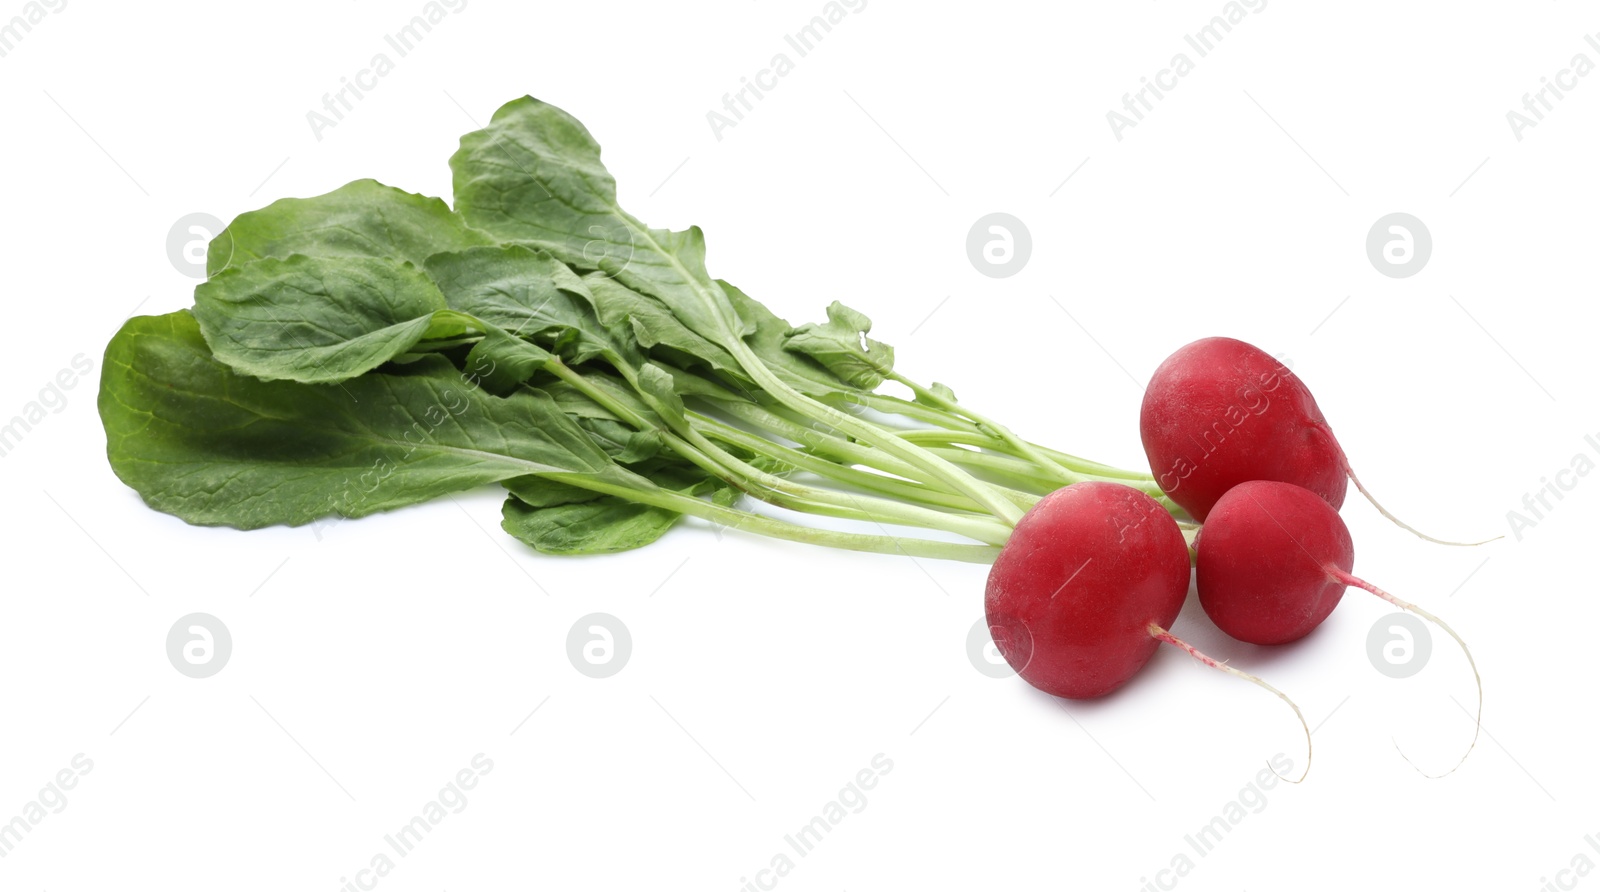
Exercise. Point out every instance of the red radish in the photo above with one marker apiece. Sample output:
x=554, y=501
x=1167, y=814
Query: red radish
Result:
x=1083, y=592
x=1220, y=412
x=1260, y=558
x=1085, y=572
x=1273, y=560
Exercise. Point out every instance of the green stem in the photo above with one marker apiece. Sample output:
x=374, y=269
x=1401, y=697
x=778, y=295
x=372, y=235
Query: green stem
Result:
x=1088, y=466
x=962, y=430
x=934, y=438
x=1046, y=459
x=1022, y=448
x=734, y=518
x=713, y=459
x=826, y=444
x=717, y=305
x=893, y=405
x=1004, y=467
x=777, y=420
x=892, y=487
x=981, y=492
x=605, y=400
x=1022, y=473
x=811, y=499
x=797, y=428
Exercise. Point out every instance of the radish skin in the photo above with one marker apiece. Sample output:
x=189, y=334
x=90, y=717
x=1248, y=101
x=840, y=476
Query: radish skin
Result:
x=1220, y=412
x=1082, y=595
x=1260, y=561
x=1085, y=572
x=1273, y=560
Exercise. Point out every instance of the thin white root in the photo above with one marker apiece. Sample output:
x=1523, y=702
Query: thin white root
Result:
x=1400, y=523
x=1161, y=634
x=1477, y=723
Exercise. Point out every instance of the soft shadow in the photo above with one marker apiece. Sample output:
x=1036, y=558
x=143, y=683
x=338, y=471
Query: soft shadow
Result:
x=1193, y=626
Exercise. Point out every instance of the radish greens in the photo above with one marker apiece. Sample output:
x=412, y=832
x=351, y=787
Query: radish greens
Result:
x=371, y=348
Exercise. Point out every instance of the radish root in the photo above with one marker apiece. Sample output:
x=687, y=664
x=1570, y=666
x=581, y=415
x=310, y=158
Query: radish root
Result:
x=1161, y=634
x=1350, y=472
x=1477, y=723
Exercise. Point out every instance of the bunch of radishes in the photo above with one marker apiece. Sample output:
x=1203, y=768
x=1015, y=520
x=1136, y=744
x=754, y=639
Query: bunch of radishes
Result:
x=1085, y=590
x=538, y=336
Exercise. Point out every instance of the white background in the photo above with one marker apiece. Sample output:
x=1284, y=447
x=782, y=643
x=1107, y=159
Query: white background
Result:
x=372, y=663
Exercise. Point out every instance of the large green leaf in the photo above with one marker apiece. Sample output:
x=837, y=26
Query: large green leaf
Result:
x=769, y=343
x=364, y=219
x=542, y=492
x=653, y=325
x=534, y=175
x=841, y=345
x=536, y=514
x=200, y=441
x=322, y=319
x=501, y=362
x=597, y=526
x=532, y=295
x=625, y=445
x=657, y=389
x=579, y=404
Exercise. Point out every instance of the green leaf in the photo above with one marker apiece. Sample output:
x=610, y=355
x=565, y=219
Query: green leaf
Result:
x=605, y=525
x=657, y=389
x=942, y=391
x=321, y=319
x=499, y=363
x=532, y=295
x=575, y=402
x=653, y=326
x=600, y=526
x=542, y=492
x=716, y=388
x=534, y=175
x=625, y=445
x=842, y=346
x=202, y=442
x=578, y=404
x=362, y=219
x=771, y=333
